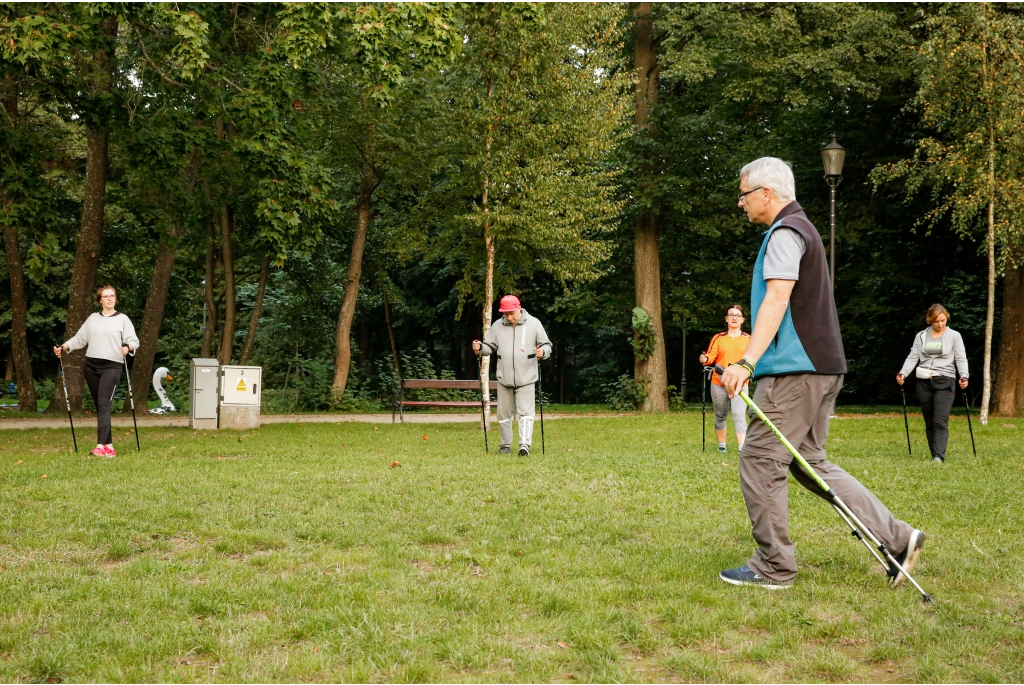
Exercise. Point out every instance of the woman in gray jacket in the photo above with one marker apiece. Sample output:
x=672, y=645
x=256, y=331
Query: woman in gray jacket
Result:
x=108, y=337
x=939, y=355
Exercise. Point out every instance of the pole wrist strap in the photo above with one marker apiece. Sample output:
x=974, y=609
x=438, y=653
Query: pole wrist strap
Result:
x=749, y=366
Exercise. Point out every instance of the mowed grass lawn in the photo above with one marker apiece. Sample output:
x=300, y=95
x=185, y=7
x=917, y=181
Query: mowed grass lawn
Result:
x=298, y=553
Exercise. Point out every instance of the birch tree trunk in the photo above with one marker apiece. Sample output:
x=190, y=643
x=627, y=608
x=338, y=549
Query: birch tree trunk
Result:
x=646, y=260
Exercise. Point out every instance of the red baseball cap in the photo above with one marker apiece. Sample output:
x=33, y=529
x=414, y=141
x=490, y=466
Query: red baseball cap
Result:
x=509, y=303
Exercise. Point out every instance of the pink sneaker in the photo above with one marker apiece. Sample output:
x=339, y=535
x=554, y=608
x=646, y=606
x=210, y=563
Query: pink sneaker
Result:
x=99, y=451
x=109, y=451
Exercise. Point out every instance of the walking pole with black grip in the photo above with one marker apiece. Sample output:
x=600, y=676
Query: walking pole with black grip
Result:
x=906, y=425
x=131, y=399
x=540, y=394
x=837, y=502
x=67, y=400
x=703, y=396
x=963, y=393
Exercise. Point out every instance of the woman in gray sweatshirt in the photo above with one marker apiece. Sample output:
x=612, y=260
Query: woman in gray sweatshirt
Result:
x=940, y=358
x=110, y=336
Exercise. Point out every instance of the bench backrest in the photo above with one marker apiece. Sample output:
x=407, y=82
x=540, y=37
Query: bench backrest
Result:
x=433, y=384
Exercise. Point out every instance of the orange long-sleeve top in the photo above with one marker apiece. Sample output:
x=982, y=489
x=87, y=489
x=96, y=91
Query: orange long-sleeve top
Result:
x=725, y=349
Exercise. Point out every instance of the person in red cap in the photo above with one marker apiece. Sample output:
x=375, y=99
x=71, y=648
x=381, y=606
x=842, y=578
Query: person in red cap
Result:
x=519, y=341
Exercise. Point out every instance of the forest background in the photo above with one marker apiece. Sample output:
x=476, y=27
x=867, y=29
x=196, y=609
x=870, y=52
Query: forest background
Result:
x=339, y=193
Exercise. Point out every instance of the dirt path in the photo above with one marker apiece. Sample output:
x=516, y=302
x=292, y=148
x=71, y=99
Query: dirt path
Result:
x=151, y=421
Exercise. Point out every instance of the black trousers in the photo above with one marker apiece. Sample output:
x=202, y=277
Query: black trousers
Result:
x=102, y=376
x=936, y=397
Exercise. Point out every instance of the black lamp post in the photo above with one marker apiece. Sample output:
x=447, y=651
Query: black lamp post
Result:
x=832, y=156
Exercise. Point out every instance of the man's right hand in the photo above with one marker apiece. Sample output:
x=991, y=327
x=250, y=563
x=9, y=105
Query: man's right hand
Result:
x=704, y=359
x=900, y=378
x=734, y=378
x=476, y=345
x=58, y=349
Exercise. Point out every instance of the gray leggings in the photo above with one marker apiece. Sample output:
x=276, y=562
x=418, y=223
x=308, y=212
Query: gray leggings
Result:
x=722, y=403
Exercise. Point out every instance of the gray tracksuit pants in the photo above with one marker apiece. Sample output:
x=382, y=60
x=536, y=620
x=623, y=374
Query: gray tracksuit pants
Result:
x=799, y=406
x=519, y=402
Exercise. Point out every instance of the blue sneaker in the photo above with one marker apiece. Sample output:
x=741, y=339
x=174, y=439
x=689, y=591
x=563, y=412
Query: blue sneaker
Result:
x=744, y=576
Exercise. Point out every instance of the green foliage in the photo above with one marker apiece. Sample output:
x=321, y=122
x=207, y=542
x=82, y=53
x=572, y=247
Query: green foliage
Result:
x=626, y=393
x=644, y=337
x=970, y=71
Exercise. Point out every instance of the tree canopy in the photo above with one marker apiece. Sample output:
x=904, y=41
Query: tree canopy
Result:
x=341, y=192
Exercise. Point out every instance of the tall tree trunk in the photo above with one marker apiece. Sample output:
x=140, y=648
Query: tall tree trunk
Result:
x=391, y=337
x=16, y=270
x=227, y=338
x=343, y=343
x=1009, y=392
x=257, y=310
x=90, y=234
x=156, y=299
x=646, y=261
x=208, y=297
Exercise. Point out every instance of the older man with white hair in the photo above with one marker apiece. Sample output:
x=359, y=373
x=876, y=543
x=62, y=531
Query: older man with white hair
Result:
x=796, y=355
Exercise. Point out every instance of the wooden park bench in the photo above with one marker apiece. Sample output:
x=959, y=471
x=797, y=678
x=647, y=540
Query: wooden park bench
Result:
x=433, y=384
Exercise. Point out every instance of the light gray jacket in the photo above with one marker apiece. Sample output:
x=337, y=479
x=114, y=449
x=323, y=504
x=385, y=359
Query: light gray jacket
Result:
x=953, y=358
x=104, y=336
x=515, y=347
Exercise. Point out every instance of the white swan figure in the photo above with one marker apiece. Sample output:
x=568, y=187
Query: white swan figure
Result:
x=166, y=406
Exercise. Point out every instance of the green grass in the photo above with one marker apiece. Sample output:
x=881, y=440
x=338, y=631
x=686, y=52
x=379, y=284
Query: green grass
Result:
x=297, y=553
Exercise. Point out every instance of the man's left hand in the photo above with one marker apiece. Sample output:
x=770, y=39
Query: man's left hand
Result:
x=125, y=350
x=539, y=351
x=963, y=383
x=734, y=378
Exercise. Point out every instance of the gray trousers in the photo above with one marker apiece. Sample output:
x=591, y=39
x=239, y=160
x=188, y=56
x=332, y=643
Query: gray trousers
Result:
x=519, y=402
x=799, y=406
x=720, y=398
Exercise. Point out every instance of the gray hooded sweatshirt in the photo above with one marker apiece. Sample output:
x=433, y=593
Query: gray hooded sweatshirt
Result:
x=515, y=347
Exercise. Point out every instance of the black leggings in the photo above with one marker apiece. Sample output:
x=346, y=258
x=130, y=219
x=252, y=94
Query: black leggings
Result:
x=103, y=377
x=936, y=398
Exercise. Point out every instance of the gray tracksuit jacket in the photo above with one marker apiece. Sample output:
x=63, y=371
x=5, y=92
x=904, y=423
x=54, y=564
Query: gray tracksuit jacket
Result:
x=515, y=348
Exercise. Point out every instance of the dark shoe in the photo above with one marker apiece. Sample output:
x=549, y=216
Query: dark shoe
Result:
x=907, y=558
x=504, y=449
x=721, y=449
x=524, y=451
x=744, y=576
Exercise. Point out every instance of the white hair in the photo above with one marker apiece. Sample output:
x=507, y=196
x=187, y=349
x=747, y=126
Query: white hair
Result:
x=771, y=172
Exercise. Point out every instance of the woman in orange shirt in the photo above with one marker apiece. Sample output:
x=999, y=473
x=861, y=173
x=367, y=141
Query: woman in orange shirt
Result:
x=727, y=348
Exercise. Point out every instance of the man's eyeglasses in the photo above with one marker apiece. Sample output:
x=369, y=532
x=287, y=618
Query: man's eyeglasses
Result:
x=752, y=190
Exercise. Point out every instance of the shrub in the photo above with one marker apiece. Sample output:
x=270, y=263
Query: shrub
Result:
x=625, y=393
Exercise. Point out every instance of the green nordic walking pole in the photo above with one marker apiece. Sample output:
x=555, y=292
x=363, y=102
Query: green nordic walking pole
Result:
x=840, y=506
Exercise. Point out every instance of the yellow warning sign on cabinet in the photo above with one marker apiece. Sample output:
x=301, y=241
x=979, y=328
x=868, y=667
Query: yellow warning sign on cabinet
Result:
x=241, y=385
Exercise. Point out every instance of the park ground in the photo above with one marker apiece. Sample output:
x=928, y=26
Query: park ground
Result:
x=364, y=552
